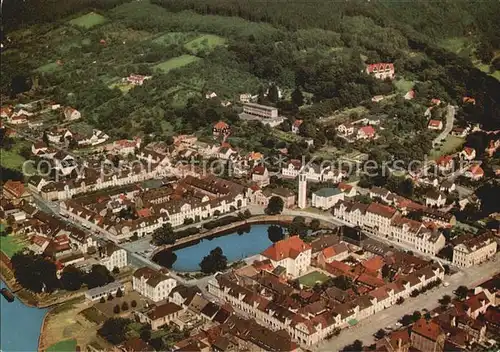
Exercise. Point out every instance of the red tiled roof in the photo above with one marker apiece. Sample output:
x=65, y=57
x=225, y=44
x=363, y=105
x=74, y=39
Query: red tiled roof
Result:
x=221, y=125
x=476, y=170
x=287, y=248
x=344, y=187
x=144, y=213
x=297, y=123
x=14, y=187
x=435, y=101
x=468, y=150
x=371, y=280
x=382, y=210
x=368, y=130
x=428, y=329
x=435, y=123
x=444, y=160
x=380, y=66
x=374, y=264
x=259, y=170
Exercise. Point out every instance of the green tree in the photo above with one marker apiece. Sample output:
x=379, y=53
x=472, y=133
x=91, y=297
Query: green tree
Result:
x=124, y=306
x=119, y=293
x=165, y=258
x=214, y=262
x=99, y=275
x=273, y=94
x=34, y=272
x=275, y=206
x=445, y=300
x=461, y=292
x=386, y=271
x=114, y=330
x=298, y=226
x=275, y=233
x=315, y=224
x=297, y=97
x=145, y=334
x=164, y=235
x=71, y=278
x=45, y=138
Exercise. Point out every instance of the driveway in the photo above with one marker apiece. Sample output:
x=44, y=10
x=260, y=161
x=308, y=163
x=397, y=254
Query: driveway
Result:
x=450, y=118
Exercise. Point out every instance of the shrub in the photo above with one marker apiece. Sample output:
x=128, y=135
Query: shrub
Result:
x=102, y=300
x=116, y=309
x=110, y=297
x=133, y=304
x=119, y=293
x=124, y=306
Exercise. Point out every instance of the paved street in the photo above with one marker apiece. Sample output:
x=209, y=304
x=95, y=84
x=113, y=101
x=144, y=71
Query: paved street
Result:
x=366, y=328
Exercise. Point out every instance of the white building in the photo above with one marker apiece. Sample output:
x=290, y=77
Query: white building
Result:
x=264, y=111
x=325, y=198
x=97, y=293
x=152, y=284
x=71, y=114
x=292, y=253
x=436, y=199
x=302, y=202
x=474, y=250
x=112, y=256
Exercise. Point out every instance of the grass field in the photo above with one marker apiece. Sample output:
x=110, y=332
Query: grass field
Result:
x=12, y=244
x=88, y=21
x=174, y=38
x=206, y=42
x=94, y=315
x=403, y=86
x=63, y=346
x=312, y=278
x=50, y=67
x=450, y=145
x=176, y=62
x=11, y=160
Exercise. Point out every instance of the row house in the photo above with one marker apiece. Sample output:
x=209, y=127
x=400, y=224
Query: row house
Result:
x=435, y=199
x=152, y=284
x=313, y=323
x=473, y=250
x=382, y=220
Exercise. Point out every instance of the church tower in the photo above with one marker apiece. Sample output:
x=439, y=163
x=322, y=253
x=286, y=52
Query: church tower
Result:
x=302, y=202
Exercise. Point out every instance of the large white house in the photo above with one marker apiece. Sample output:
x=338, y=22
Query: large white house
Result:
x=473, y=250
x=325, y=198
x=112, y=256
x=292, y=253
x=152, y=284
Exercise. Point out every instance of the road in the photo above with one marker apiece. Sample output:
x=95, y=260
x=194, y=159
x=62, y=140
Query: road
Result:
x=364, y=331
x=450, y=118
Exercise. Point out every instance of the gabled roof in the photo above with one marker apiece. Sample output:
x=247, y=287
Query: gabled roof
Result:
x=382, y=210
x=221, y=125
x=427, y=328
x=287, y=248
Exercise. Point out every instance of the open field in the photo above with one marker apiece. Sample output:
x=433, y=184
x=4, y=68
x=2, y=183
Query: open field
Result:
x=93, y=315
x=88, y=21
x=176, y=62
x=403, y=86
x=174, y=38
x=206, y=42
x=313, y=278
x=63, y=346
x=450, y=145
x=12, y=244
x=50, y=67
x=11, y=160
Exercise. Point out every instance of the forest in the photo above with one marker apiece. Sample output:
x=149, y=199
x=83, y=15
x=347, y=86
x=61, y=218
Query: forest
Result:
x=295, y=47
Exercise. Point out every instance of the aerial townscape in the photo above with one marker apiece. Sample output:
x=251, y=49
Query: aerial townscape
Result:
x=223, y=176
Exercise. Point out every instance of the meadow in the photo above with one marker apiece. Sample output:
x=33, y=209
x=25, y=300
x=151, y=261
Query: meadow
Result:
x=206, y=42
x=88, y=21
x=175, y=62
x=450, y=145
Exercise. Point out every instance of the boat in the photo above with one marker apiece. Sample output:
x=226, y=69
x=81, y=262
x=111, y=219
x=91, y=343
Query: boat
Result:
x=7, y=295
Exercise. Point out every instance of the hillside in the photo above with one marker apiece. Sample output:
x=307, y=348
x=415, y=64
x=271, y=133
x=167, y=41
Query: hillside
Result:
x=234, y=47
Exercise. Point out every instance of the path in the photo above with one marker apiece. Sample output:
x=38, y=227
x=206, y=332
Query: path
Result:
x=450, y=118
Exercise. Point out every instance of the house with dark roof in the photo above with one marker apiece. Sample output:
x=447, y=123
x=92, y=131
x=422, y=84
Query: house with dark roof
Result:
x=159, y=315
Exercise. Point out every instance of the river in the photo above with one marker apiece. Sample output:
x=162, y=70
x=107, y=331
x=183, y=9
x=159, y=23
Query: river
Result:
x=234, y=246
x=19, y=325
